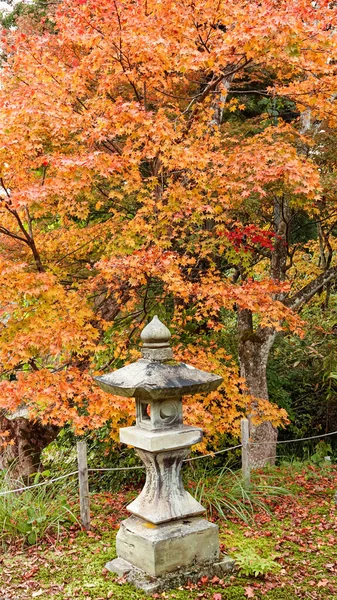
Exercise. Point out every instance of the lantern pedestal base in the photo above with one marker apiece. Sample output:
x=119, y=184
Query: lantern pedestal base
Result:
x=158, y=557
x=160, y=549
x=152, y=585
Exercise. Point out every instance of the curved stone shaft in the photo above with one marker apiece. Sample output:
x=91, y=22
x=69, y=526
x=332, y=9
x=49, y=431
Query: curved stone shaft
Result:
x=163, y=497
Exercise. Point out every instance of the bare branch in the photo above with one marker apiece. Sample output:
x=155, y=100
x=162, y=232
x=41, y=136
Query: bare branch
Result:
x=12, y=235
x=308, y=291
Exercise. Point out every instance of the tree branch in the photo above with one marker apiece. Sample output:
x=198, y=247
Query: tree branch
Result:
x=308, y=291
x=28, y=237
x=12, y=235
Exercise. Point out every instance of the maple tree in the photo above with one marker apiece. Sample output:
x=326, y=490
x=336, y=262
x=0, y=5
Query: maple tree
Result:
x=131, y=185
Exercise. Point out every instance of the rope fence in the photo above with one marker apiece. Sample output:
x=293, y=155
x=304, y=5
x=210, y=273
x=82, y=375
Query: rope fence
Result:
x=212, y=453
x=313, y=437
x=116, y=469
x=35, y=485
x=83, y=469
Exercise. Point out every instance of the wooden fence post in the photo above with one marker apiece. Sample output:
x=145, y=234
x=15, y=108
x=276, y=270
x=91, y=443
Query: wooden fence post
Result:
x=83, y=484
x=245, y=451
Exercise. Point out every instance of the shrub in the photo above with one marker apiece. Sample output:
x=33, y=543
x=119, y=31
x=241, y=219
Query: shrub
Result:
x=250, y=563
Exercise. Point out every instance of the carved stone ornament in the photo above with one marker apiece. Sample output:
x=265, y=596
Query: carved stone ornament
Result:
x=166, y=541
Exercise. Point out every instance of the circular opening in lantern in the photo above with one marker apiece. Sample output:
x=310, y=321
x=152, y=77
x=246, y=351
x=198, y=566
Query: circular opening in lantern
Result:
x=168, y=411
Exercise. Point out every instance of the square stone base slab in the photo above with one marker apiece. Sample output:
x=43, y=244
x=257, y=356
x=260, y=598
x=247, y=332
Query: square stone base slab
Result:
x=159, y=441
x=152, y=585
x=161, y=549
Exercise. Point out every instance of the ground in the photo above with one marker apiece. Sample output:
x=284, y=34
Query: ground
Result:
x=295, y=545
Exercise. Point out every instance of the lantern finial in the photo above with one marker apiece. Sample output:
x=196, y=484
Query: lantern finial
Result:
x=155, y=334
x=156, y=340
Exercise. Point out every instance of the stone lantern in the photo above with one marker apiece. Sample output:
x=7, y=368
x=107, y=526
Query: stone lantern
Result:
x=166, y=541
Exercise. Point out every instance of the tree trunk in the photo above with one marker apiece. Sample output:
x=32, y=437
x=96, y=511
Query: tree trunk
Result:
x=254, y=348
x=28, y=439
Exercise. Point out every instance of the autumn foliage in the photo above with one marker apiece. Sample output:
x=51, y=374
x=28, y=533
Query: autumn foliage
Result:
x=128, y=188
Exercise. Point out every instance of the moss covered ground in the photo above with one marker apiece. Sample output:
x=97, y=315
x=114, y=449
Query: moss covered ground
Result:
x=296, y=538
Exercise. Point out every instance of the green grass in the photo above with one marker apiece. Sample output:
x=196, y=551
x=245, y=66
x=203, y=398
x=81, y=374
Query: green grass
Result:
x=299, y=532
x=27, y=517
x=223, y=494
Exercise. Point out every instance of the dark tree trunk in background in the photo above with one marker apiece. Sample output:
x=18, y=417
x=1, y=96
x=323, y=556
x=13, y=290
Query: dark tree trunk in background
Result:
x=30, y=438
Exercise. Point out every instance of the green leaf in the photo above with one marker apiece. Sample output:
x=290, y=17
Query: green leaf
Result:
x=32, y=538
x=23, y=526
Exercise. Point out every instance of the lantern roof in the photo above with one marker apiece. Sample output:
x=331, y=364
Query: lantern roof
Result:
x=156, y=376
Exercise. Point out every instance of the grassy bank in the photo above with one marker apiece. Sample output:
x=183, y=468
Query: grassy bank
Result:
x=290, y=545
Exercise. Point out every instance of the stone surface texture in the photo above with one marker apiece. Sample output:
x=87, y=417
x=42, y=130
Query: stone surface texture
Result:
x=155, y=334
x=163, y=497
x=154, y=380
x=159, y=414
x=161, y=550
x=156, y=441
x=151, y=585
